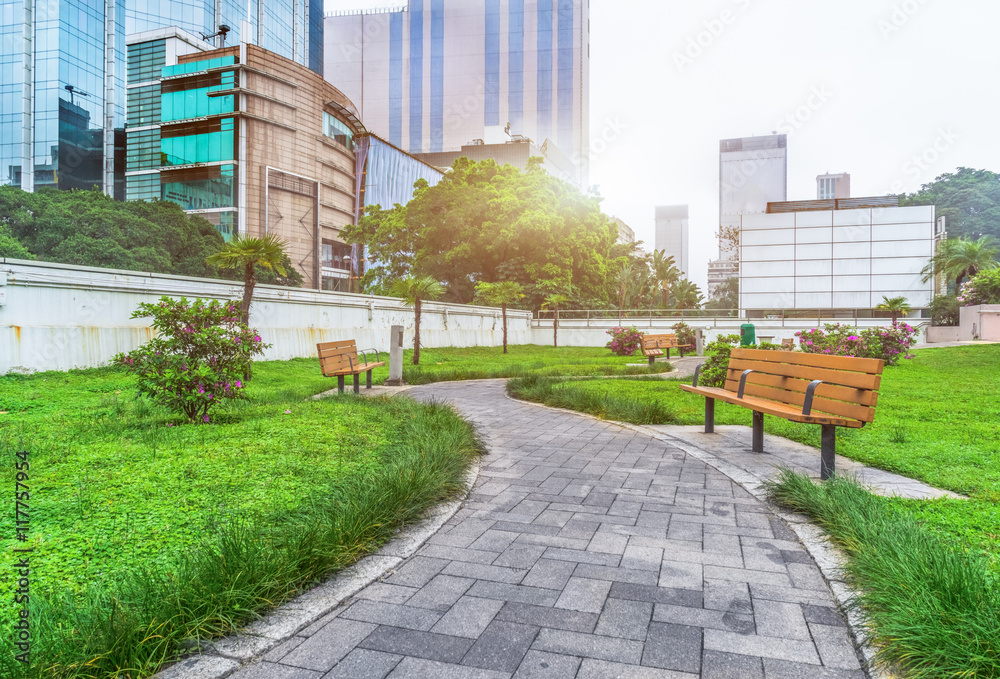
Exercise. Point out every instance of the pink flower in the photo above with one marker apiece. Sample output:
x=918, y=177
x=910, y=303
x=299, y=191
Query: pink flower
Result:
x=205, y=419
x=170, y=424
x=288, y=412
x=239, y=384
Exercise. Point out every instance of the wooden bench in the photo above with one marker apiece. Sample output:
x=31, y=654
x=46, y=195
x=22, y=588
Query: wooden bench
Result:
x=338, y=359
x=831, y=391
x=654, y=345
x=788, y=344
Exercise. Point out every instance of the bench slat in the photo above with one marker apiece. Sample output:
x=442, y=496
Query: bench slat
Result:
x=358, y=368
x=858, y=380
x=837, y=392
x=772, y=408
x=796, y=399
x=872, y=366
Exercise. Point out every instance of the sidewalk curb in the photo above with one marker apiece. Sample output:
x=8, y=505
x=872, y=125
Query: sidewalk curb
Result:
x=222, y=658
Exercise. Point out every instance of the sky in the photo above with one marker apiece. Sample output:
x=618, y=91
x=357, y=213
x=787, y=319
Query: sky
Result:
x=894, y=92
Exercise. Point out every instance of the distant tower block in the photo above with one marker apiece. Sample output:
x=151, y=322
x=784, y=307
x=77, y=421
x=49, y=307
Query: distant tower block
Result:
x=672, y=234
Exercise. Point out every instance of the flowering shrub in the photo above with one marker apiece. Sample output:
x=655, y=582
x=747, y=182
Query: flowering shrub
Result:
x=201, y=355
x=624, y=341
x=887, y=343
x=983, y=288
x=713, y=370
x=685, y=334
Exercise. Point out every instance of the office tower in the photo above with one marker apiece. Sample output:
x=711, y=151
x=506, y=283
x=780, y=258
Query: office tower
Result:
x=439, y=74
x=672, y=234
x=63, y=94
x=833, y=186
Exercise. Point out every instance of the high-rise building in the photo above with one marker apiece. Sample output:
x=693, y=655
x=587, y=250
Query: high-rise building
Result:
x=753, y=171
x=438, y=74
x=833, y=186
x=672, y=235
x=63, y=66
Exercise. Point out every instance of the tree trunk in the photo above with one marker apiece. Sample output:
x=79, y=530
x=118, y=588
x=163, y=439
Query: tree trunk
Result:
x=555, y=329
x=416, y=333
x=249, y=282
x=503, y=309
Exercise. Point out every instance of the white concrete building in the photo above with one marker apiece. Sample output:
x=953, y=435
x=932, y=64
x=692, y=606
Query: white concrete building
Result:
x=435, y=75
x=843, y=254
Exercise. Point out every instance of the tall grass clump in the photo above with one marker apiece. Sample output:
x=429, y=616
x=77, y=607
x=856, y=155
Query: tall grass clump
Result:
x=249, y=563
x=933, y=610
x=562, y=394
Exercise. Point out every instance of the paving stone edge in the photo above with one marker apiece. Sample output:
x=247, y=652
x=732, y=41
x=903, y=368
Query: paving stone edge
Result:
x=829, y=558
x=225, y=656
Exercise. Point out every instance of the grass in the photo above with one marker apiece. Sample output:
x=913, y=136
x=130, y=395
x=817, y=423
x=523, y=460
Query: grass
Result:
x=933, y=610
x=150, y=535
x=580, y=396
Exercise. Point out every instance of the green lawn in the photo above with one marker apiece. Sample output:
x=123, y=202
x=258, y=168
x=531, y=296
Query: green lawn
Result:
x=937, y=420
x=119, y=487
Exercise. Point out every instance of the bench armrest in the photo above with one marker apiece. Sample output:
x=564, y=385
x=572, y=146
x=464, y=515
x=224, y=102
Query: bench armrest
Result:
x=697, y=371
x=364, y=354
x=807, y=403
x=743, y=382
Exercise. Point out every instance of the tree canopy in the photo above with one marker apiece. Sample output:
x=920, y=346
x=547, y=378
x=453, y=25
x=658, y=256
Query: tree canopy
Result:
x=91, y=229
x=487, y=222
x=968, y=199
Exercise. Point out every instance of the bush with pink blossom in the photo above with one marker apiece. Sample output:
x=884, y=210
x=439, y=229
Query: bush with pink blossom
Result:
x=201, y=355
x=889, y=343
x=624, y=341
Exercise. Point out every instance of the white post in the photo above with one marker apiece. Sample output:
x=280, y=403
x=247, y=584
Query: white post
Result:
x=395, y=357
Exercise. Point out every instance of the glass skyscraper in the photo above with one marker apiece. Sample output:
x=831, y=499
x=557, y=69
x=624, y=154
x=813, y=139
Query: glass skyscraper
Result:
x=63, y=69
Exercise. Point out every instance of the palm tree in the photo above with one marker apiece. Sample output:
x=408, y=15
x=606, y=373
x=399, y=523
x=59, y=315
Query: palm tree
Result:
x=502, y=293
x=687, y=295
x=413, y=290
x=667, y=274
x=243, y=252
x=554, y=301
x=896, y=306
x=959, y=258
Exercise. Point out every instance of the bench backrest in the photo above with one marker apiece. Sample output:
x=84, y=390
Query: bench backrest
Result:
x=850, y=385
x=337, y=356
x=657, y=341
x=788, y=343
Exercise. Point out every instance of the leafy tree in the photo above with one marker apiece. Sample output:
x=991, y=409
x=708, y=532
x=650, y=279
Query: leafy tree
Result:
x=502, y=294
x=687, y=295
x=413, y=290
x=895, y=306
x=11, y=246
x=487, y=222
x=246, y=253
x=554, y=301
x=959, y=257
x=968, y=199
x=726, y=296
x=666, y=272
x=945, y=310
x=91, y=229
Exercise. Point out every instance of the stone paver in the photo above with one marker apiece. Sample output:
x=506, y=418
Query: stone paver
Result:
x=586, y=549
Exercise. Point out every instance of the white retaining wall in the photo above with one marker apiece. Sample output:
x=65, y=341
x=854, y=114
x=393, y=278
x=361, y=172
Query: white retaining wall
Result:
x=57, y=317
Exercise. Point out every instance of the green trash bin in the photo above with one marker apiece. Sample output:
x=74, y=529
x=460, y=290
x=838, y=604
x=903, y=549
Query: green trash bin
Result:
x=747, y=336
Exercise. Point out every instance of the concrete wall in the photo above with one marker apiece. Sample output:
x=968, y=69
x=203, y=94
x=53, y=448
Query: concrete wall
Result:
x=943, y=333
x=979, y=322
x=58, y=317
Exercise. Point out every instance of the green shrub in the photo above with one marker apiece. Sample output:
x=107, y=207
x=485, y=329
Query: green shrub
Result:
x=983, y=288
x=685, y=334
x=201, y=356
x=713, y=370
x=944, y=310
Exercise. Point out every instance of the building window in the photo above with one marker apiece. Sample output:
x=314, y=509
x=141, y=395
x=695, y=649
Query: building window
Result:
x=338, y=131
x=337, y=256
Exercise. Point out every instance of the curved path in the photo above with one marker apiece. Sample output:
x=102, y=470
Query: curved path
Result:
x=585, y=550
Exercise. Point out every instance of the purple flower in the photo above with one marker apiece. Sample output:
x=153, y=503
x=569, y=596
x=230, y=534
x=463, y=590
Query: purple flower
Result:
x=239, y=384
x=205, y=419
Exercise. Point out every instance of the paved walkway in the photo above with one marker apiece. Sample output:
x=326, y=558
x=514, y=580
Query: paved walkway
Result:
x=585, y=550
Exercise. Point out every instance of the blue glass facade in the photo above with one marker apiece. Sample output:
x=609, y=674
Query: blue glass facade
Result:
x=492, y=93
x=515, y=64
x=291, y=28
x=437, y=74
x=416, y=75
x=564, y=64
x=70, y=90
x=544, y=106
x=396, y=78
